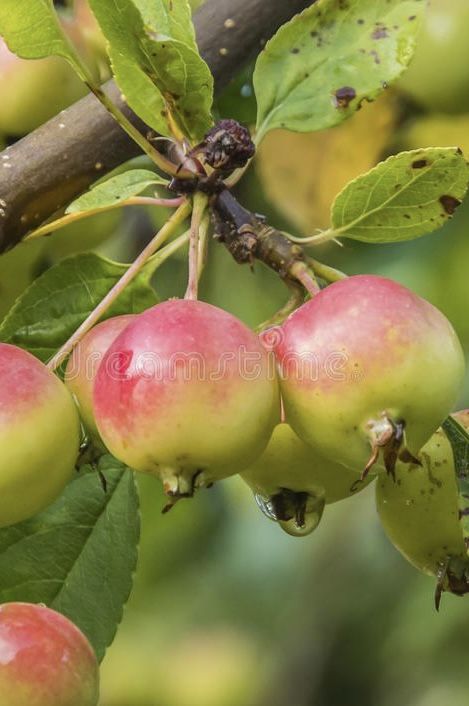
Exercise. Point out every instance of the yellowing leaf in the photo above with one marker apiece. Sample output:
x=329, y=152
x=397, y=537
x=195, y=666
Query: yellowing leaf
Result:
x=440, y=130
x=303, y=172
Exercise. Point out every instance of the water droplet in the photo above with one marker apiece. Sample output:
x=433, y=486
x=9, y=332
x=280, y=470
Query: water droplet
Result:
x=311, y=521
x=297, y=513
x=265, y=505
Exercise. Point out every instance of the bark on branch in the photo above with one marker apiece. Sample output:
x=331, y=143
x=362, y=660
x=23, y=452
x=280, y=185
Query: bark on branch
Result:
x=47, y=169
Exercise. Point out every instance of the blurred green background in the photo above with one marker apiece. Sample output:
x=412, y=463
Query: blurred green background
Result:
x=227, y=610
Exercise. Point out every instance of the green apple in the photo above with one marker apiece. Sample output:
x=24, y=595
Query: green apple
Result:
x=39, y=435
x=295, y=482
x=83, y=365
x=420, y=513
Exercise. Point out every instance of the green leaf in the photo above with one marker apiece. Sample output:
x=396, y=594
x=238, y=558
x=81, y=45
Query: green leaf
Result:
x=79, y=556
x=319, y=67
x=116, y=189
x=158, y=74
x=459, y=440
x=58, y=301
x=32, y=30
x=173, y=19
x=408, y=195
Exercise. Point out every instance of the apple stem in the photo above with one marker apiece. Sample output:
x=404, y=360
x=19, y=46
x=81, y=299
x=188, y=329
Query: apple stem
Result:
x=295, y=300
x=200, y=202
x=329, y=274
x=303, y=274
x=203, y=242
x=163, y=234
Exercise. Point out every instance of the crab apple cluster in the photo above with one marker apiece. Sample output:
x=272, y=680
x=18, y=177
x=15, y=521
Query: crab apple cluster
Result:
x=368, y=371
x=39, y=435
x=421, y=513
x=45, y=660
x=184, y=391
x=167, y=392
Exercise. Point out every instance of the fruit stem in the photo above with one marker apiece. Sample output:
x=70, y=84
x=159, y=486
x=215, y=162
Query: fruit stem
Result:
x=162, y=255
x=163, y=234
x=329, y=274
x=303, y=274
x=203, y=242
x=51, y=227
x=296, y=300
x=200, y=202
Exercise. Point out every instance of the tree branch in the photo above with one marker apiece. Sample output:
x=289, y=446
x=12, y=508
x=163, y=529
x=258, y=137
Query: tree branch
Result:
x=47, y=169
x=248, y=238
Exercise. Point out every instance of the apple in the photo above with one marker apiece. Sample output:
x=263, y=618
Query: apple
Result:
x=39, y=435
x=45, y=660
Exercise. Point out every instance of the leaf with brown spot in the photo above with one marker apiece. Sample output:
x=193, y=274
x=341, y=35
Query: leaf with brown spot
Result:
x=337, y=48
x=375, y=207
